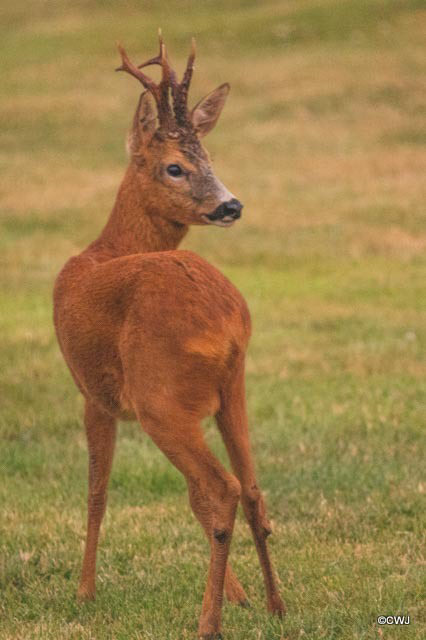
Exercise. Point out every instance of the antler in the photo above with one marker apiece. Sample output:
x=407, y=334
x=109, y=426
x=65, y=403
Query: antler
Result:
x=169, y=80
x=159, y=91
x=180, y=91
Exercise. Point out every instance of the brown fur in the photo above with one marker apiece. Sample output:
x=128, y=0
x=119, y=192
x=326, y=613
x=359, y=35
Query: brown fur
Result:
x=159, y=335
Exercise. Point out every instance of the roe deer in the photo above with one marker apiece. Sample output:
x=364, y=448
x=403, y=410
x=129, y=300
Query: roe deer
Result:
x=159, y=335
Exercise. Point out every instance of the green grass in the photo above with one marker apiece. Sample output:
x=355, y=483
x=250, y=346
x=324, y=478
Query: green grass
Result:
x=323, y=140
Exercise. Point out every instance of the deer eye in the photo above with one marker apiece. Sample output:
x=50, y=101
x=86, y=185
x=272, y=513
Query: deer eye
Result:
x=174, y=170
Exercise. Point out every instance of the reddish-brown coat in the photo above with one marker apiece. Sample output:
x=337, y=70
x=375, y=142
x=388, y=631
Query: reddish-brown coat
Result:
x=159, y=335
x=168, y=313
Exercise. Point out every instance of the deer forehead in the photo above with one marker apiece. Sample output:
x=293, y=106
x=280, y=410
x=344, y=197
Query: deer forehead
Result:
x=190, y=155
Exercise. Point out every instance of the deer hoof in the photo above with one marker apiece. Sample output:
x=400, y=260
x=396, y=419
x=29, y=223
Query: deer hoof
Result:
x=85, y=595
x=239, y=599
x=277, y=607
x=234, y=592
x=209, y=629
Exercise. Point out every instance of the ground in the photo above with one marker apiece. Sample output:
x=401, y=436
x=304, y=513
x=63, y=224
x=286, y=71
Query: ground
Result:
x=323, y=140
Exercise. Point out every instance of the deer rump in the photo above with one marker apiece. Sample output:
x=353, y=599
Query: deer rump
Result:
x=165, y=319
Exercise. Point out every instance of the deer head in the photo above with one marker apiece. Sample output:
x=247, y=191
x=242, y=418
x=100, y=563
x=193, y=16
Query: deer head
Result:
x=171, y=165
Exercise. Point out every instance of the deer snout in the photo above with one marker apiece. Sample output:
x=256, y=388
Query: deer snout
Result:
x=231, y=208
x=226, y=213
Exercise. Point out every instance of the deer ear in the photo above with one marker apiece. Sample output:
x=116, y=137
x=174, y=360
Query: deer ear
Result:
x=144, y=124
x=205, y=114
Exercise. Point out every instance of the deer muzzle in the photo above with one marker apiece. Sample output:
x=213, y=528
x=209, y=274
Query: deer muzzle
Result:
x=225, y=214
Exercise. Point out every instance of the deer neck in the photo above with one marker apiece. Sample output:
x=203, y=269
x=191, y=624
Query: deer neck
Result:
x=131, y=227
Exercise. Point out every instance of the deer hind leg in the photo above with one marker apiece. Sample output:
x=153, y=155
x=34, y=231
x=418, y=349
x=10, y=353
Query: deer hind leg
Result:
x=232, y=423
x=203, y=511
x=100, y=431
x=182, y=442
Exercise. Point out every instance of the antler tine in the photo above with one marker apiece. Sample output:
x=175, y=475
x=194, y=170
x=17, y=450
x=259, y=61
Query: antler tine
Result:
x=158, y=59
x=181, y=95
x=165, y=78
x=164, y=63
x=189, y=65
x=129, y=67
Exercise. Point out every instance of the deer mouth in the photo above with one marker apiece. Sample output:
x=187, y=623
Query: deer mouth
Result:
x=226, y=221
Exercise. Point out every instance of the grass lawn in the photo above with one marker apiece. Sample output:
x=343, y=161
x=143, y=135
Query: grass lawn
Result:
x=323, y=140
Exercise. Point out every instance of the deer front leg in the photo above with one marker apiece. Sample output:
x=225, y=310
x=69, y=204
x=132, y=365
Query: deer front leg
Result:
x=100, y=431
x=203, y=511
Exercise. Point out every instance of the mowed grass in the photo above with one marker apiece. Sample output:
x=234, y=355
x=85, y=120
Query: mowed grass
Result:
x=323, y=140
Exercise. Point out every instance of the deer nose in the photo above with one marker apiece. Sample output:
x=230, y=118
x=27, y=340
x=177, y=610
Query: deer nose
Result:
x=233, y=208
x=230, y=209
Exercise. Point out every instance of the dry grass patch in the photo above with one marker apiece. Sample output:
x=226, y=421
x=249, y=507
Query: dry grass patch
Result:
x=49, y=188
